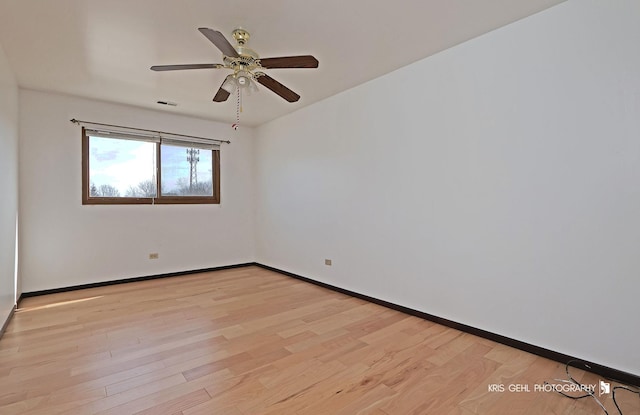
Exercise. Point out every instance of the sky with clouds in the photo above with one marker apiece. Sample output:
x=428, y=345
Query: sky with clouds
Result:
x=125, y=163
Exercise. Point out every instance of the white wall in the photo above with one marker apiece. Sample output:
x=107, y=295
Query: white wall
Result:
x=8, y=185
x=64, y=243
x=496, y=184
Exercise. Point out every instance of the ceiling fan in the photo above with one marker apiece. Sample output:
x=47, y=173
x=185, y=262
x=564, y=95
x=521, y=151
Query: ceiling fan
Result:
x=246, y=65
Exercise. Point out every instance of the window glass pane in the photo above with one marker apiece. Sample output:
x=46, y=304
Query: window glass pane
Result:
x=186, y=171
x=121, y=168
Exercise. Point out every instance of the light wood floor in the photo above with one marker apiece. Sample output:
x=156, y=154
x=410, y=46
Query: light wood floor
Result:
x=249, y=341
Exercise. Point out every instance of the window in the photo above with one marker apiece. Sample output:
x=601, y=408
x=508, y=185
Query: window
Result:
x=124, y=168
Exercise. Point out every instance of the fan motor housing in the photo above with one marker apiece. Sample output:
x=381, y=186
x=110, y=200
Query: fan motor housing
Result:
x=245, y=51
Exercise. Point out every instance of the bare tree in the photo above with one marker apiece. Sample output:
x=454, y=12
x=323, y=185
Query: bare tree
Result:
x=146, y=188
x=194, y=189
x=106, y=190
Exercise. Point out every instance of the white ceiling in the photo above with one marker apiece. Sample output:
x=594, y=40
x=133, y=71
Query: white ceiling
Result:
x=103, y=49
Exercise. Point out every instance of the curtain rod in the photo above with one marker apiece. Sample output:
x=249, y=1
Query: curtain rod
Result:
x=79, y=122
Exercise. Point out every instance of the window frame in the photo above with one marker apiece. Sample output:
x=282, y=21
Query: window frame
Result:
x=87, y=199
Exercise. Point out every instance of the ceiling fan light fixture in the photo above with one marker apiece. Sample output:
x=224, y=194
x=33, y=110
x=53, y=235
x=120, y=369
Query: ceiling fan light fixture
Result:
x=243, y=79
x=229, y=84
x=252, y=88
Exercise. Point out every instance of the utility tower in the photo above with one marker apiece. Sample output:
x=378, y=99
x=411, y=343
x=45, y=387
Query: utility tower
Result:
x=193, y=157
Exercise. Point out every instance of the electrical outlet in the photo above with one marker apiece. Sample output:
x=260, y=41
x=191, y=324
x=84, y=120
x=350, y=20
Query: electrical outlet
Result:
x=327, y=262
x=153, y=255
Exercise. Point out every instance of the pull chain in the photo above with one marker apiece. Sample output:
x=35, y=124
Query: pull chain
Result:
x=236, y=125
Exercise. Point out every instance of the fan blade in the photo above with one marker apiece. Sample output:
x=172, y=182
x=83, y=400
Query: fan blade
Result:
x=278, y=88
x=220, y=41
x=222, y=94
x=304, y=61
x=180, y=67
